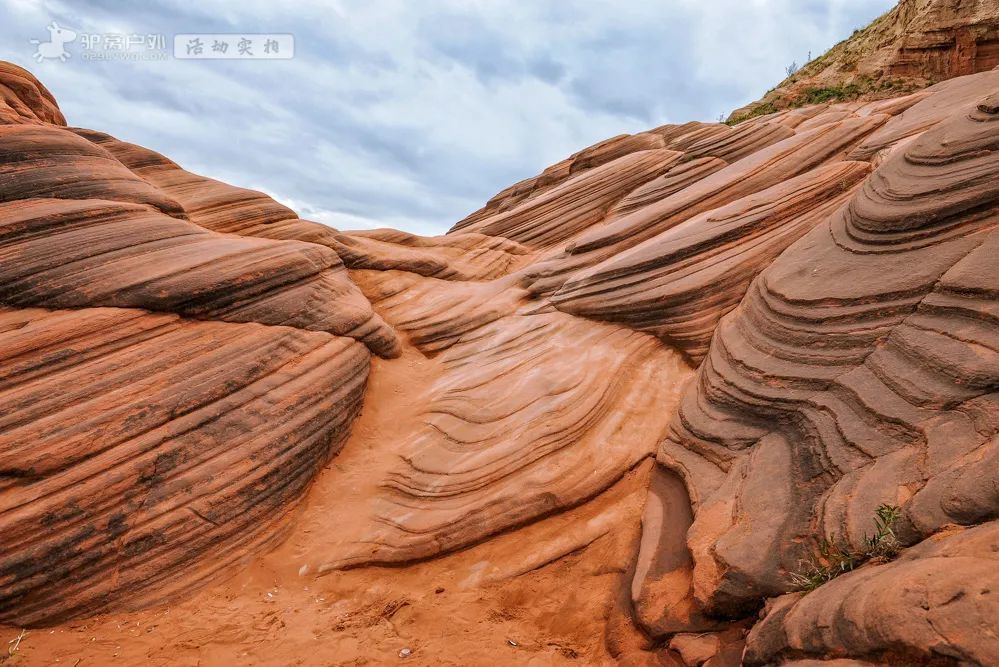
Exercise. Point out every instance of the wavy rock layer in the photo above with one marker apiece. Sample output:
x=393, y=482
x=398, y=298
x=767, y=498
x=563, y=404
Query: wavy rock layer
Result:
x=763, y=169
x=141, y=453
x=224, y=208
x=23, y=99
x=167, y=392
x=677, y=285
x=508, y=416
x=515, y=430
x=40, y=161
x=74, y=254
x=208, y=203
x=571, y=207
x=860, y=369
x=70, y=240
x=677, y=178
x=934, y=105
x=456, y=257
x=594, y=156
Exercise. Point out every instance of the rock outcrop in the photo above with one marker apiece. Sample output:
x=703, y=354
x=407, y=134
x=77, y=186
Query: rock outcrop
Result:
x=167, y=392
x=143, y=453
x=776, y=328
x=858, y=370
x=23, y=99
x=935, y=600
x=678, y=284
x=916, y=44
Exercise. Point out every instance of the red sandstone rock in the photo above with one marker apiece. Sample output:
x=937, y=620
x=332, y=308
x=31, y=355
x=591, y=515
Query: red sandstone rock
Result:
x=167, y=393
x=588, y=158
x=141, y=454
x=468, y=256
x=738, y=143
x=936, y=602
x=677, y=285
x=576, y=204
x=677, y=178
x=938, y=104
x=852, y=374
x=212, y=204
x=24, y=99
x=177, y=365
x=60, y=253
x=758, y=171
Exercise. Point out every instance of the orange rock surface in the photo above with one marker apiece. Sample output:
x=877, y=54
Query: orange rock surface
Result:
x=605, y=419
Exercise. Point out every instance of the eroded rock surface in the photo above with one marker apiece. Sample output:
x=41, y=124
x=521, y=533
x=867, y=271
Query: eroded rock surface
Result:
x=858, y=370
x=142, y=453
x=796, y=318
x=678, y=284
x=936, y=602
x=763, y=169
x=167, y=392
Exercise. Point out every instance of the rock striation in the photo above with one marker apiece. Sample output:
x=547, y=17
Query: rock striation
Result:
x=679, y=283
x=858, y=370
x=778, y=327
x=23, y=99
x=143, y=453
x=167, y=392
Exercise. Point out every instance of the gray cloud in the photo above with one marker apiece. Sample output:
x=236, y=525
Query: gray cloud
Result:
x=411, y=114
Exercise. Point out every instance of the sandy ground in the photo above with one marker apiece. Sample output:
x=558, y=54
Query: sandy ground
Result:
x=546, y=594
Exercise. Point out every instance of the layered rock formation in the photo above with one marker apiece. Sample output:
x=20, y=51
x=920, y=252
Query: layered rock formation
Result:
x=705, y=264
x=142, y=453
x=795, y=318
x=857, y=371
x=168, y=392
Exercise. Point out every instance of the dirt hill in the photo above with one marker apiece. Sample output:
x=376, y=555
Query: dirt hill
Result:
x=916, y=44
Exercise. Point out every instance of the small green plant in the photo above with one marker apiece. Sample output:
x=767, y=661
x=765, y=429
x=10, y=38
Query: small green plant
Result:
x=759, y=110
x=834, y=560
x=833, y=94
x=831, y=562
x=883, y=545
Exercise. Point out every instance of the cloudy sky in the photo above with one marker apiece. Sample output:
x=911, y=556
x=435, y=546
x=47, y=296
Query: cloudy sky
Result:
x=411, y=113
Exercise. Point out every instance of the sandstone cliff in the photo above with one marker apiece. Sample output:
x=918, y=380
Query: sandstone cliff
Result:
x=916, y=44
x=616, y=414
